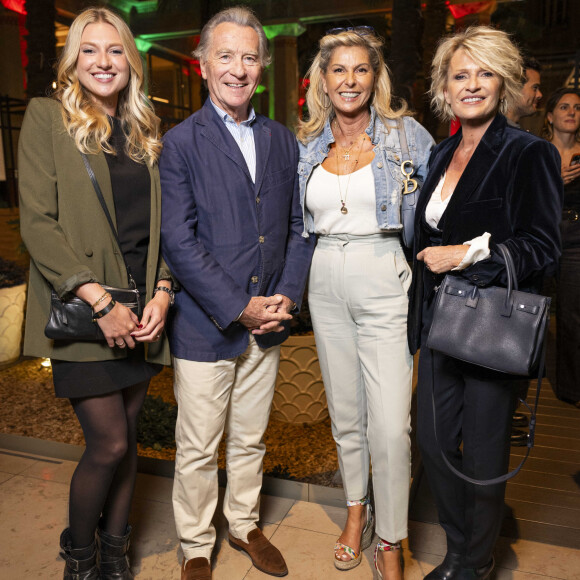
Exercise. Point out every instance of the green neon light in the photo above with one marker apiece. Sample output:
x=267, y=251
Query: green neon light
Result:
x=142, y=7
x=169, y=35
x=260, y=89
x=288, y=29
x=143, y=45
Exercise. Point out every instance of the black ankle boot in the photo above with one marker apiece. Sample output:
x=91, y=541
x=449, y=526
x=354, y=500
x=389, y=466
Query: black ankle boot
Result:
x=114, y=563
x=81, y=564
x=448, y=569
x=481, y=573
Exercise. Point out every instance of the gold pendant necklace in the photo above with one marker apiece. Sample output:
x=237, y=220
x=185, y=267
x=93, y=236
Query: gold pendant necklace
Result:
x=343, y=208
x=346, y=154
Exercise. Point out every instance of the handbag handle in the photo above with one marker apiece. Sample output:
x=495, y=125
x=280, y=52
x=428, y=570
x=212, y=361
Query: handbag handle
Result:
x=512, y=284
x=99, y=193
x=512, y=280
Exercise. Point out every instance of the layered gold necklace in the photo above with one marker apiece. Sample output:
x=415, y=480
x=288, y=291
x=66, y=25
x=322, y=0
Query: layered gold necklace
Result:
x=348, y=166
x=343, y=208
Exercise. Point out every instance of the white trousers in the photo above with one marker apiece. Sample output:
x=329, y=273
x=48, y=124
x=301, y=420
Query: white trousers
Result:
x=358, y=301
x=235, y=394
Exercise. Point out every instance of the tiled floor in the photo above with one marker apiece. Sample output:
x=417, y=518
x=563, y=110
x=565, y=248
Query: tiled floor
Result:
x=33, y=503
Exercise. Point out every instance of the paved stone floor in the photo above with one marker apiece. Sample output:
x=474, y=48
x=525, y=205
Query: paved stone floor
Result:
x=33, y=505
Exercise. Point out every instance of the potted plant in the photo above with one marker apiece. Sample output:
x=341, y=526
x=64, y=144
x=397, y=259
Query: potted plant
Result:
x=12, y=299
x=299, y=396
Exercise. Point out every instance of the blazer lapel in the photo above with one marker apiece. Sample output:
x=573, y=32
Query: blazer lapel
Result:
x=477, y=168
x=436, y=168
x=217, y=133
x=263, y=140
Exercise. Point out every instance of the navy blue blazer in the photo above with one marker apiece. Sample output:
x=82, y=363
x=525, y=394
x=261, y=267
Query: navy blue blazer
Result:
x=512, y=189
x=225, y=238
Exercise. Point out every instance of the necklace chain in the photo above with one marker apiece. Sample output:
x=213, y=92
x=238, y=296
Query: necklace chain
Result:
x=343, y=208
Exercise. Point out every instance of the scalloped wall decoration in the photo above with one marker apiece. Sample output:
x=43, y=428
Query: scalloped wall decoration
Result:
x=299, y=396
x=11, y=317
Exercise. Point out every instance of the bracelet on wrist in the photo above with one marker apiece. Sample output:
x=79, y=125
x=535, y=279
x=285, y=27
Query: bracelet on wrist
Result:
x=103, y=297
x=104, y=311
x=168, y=291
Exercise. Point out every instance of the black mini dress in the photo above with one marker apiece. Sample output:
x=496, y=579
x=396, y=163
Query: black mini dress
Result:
x=131, y=185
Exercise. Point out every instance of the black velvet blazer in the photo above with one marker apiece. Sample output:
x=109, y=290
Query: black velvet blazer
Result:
x=512, y=189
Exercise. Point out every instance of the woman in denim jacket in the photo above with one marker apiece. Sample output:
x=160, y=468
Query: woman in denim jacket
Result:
x=351, y=190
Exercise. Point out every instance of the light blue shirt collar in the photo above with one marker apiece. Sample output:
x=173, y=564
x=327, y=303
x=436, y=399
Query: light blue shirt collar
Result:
x=227, y=118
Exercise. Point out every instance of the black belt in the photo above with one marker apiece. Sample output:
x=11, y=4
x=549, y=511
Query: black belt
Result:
x=571, y=215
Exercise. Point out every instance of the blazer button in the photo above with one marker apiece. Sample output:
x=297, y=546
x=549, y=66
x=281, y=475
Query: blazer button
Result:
x=88, y=252
x=475, y=278
x=379, y=165
x=254, y=279
x=258, y=199
x=261, y=239
x=383, y=207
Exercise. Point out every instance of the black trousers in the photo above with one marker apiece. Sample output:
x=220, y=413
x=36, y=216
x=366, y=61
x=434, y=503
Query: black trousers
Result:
x=473, y=410
x=567, y=385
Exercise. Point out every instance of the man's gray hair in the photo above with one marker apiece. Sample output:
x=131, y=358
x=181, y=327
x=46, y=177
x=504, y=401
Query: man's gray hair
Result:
x=241, y=16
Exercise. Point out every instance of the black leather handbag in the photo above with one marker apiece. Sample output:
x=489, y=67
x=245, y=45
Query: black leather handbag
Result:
x=497, y=328
x=411, y=189
x=72, y=319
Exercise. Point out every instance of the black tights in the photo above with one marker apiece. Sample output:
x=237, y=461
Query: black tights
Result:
x=102, y=484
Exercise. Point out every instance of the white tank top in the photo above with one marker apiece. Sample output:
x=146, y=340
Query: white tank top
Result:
x=323, y=200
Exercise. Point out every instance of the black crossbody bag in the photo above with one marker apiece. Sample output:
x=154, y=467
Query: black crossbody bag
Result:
x=72, y=319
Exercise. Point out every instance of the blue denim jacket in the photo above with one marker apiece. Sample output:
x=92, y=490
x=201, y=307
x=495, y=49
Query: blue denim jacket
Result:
x=386, y=166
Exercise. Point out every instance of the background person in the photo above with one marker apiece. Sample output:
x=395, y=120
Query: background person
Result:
x=530, y=95
x=232, y=229
x=562, y=129
x=525, y=106
x=350, y=189
x=99, y=109
x=488, y=184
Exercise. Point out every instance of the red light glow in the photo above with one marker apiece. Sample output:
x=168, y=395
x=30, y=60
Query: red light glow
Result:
x=15, y=5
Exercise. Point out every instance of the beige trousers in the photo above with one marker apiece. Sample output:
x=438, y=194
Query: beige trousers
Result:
x=235, y=394
x=358, y=300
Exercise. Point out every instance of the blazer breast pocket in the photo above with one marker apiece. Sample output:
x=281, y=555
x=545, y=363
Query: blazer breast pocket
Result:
x=483, y=205
x=282, y=175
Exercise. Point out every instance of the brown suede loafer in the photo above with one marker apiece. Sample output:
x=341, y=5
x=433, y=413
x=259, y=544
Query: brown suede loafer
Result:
x=196, y=569
x=266, y=557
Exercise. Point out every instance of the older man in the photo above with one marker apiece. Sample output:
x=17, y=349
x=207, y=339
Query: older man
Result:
x=232, y=235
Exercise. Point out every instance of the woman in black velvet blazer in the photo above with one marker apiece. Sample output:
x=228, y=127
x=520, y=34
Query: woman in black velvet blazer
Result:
x=488, y=184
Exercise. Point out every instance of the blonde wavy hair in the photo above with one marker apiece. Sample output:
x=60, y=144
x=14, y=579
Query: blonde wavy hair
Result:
x=492, y=50
x=320, y=107
x=87, y=123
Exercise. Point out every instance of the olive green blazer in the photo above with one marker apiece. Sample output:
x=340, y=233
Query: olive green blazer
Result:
x=67, y=234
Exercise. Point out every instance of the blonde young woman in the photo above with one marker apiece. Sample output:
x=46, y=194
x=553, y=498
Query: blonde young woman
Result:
x=562, y=129
x=99, y=109
x=490, y=183
x=350, y=189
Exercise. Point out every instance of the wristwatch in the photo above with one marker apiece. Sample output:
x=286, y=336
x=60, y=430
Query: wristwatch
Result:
x=168, y=291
